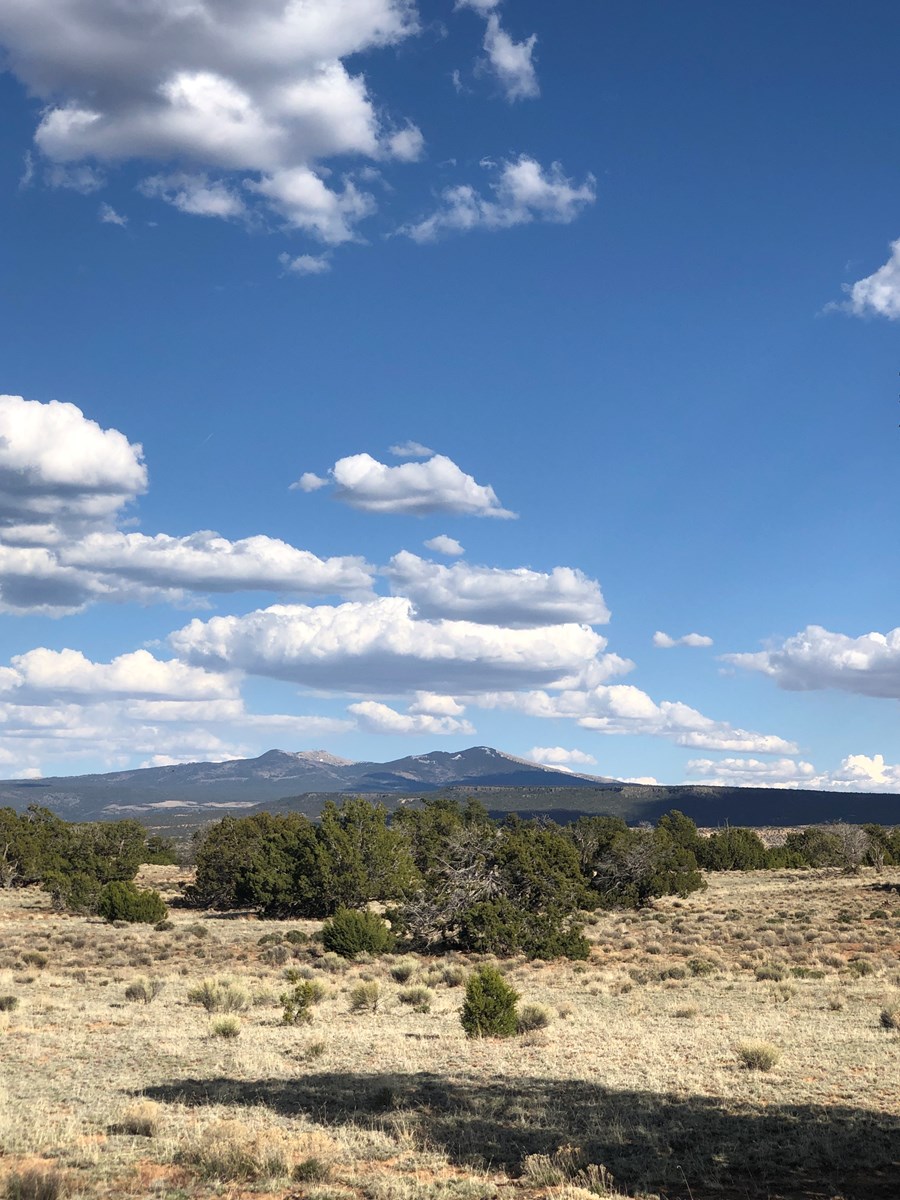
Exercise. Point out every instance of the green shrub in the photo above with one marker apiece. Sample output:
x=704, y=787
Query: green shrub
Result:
x=121, y=901
x=219, y=995
x=758, y=1056
x=489, y=1009
x=225, y=1027
x=418, y=998
x=144, y=991
x=354, y=931
x=772, y=972
x=364, y=997
x=403, y=970
x=532, y=1017
x=298, y=1002
x=453, y=976
x=699, y=967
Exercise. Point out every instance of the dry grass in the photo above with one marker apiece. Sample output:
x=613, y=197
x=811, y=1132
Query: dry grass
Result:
x=637, y=1077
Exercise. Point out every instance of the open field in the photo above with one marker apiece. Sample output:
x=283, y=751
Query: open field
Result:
x=639, y=1070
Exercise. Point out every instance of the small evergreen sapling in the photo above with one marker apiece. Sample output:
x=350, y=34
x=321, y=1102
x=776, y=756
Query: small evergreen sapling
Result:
x=489, y=1009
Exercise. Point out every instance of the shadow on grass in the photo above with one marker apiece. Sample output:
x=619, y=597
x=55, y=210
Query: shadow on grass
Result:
x=684, y=1148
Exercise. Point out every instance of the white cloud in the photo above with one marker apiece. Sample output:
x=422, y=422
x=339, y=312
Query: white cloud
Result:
x=816, y=659
x=558, y=756
x=413, y=488
x=380, y=646
x=81, y=179
x=624, y=709
x=61, y=474
x=300, y=196
x=879, y=293
x=205, y=561
x=195, y=194
x=480, y=6
x=523, y=192
x=436, y=705
x=309, y=482
x=664, y=642
x=752, y=772
x=63, y=673
x=410, y=449
x=515, y=598
x=109, y=216
x=375, y=717
x=512, y=62
x=859, y=772
x=256, y=86
x=407, y=144
x=443, y=544
x=306, y=264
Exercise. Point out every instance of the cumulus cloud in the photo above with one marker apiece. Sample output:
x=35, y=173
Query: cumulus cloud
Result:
x=375, y=717
x=195, y=194
x=480, y=6
x=410, y=449
x=664, y=642
x=517, y=598
x=380, y=646
x=857, y=773
x=63, y=483
x=61, y=673
x=436, y=705
x=205, y=561
x=558, y=756
x=625, y=709
x=879, y=293
x=60, y=473
x=512, y=62
x=523, y=191
x=442, y=544
x=817, y=659
x=306, y=264
x=753, y=772
x=251, y=86
x=412, y=489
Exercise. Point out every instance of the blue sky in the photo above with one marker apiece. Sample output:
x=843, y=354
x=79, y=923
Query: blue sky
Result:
x=622, y=270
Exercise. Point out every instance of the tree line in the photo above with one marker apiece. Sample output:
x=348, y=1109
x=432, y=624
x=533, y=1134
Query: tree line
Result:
x=449, y=875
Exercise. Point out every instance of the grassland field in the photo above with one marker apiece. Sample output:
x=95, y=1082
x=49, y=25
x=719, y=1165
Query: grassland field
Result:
x=638, y=1086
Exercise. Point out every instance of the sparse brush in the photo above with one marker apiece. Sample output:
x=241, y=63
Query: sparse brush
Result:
x=144, y=991
x=418, y=998
x=9, y=1003
x=35, y=1185
x=365, y=997
x=34, y=958
x=772, y=972
x=219, y=995
x=225, y=1027
x=454, y=976
x=758, y=1056
x=889, y=1017
x=139, y=1120
x=699, y=967
x=311, y=1170
x=298, y=1002
x=684, y=1014
x=552, y=1170
x=228, y=1150
x=403, y=970
x=532, y=1017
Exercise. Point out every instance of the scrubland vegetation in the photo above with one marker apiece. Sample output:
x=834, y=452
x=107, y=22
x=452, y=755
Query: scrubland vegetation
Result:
x=734, y=1035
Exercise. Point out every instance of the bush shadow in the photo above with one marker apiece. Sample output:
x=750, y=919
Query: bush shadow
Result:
x=680, y=1147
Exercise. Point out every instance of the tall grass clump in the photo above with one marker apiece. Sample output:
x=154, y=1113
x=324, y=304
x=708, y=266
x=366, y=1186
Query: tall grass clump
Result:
x=219, y=995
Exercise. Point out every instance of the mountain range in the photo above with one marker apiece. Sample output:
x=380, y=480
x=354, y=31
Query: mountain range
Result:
x=186, y=795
